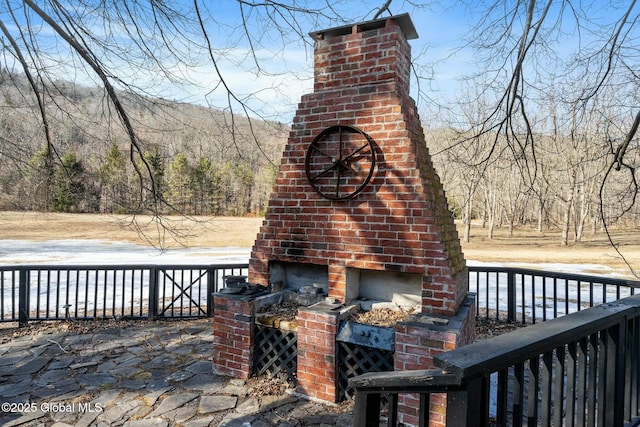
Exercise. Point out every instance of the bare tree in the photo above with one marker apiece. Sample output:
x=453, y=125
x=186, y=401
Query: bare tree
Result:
x=579, y=51
x=146, y=49
x=525, y=49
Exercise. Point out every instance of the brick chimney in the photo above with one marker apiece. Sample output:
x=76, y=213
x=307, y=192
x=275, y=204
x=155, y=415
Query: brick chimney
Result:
x=358, y=210
x=396, y=221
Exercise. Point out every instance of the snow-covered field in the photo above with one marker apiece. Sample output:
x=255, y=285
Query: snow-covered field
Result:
x=100, y=252
x=115, y=290
x=103, y=253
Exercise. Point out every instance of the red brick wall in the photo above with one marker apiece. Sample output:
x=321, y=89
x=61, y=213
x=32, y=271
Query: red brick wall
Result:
x=317, y=369
x=417, y=344
x=362, y=59
x=233, y=330
x=400, y=222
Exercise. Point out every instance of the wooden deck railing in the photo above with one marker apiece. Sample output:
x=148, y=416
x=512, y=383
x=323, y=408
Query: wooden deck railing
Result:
x=581, y=369
x=41, y=292
x=530, y=296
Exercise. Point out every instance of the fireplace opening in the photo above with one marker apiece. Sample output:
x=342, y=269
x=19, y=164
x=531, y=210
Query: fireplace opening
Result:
x=373, y=289
x=299, y=277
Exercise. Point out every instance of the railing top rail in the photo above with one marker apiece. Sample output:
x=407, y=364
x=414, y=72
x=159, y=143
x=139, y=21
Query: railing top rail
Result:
x=405, y=381
x=532, y=272
x=558, y=275
x=41, y=267
x=485, y=357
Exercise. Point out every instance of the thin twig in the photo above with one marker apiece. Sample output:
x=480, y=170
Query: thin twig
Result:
x=58, y=344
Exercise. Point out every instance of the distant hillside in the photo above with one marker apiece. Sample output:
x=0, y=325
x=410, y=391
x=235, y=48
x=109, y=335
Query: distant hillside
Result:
x=203, y=161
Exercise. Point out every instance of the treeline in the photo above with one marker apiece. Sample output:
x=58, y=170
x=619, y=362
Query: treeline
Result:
x=208, y=162
x=187, y=187
x=568, y=187
x=196, y=160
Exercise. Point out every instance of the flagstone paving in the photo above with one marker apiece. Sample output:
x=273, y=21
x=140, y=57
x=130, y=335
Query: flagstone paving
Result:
x=138, y=374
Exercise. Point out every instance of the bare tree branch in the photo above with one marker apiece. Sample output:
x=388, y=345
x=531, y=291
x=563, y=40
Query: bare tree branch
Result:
x=122, y=113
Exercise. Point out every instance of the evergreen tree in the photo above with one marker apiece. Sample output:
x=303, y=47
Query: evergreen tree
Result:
x=245, y=175
x=149, y=192
x=206, y=187
x=157, y=168
x=236, y=185
x=68, y=185
x=113, y=182
x=179, y=190
x=39, y=180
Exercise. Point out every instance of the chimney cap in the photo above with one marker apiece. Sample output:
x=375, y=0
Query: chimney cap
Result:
x=403, y=21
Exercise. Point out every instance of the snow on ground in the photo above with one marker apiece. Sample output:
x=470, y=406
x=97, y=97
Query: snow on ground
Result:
x=598, y=269
x=530, y=295
x=101, y=252
x=89, y=289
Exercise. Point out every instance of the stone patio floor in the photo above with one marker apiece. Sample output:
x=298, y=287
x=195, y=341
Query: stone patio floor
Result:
x=138, y=373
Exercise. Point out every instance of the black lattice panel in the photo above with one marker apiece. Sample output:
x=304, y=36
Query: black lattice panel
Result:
x=276, y=352
x=356, y=360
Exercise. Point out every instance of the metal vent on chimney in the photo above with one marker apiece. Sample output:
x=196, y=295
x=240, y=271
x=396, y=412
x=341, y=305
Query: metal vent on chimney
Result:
x=403, y=21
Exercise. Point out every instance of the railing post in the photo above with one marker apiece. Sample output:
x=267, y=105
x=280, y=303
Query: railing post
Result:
x=511, y=296
x=153, y=293
x=366, y=410
x=23, y=297
x=464, y=407
x=210, y=289
x=619, y=341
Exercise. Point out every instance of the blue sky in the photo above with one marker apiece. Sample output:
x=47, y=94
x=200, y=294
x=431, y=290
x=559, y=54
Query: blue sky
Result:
x=291, y=64
x=285, y=57
x=441, y=53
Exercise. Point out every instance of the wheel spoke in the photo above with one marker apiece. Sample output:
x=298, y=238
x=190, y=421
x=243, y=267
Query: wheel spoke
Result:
x=315, y=148
x=356, y=152
x=343, y=165
x=338, y=183
x=324, y=172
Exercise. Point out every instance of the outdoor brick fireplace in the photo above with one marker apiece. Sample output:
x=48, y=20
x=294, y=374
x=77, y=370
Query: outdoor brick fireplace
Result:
x=357, y=213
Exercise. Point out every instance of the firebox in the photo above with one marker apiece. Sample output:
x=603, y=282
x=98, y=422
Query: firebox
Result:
x=358, y=214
